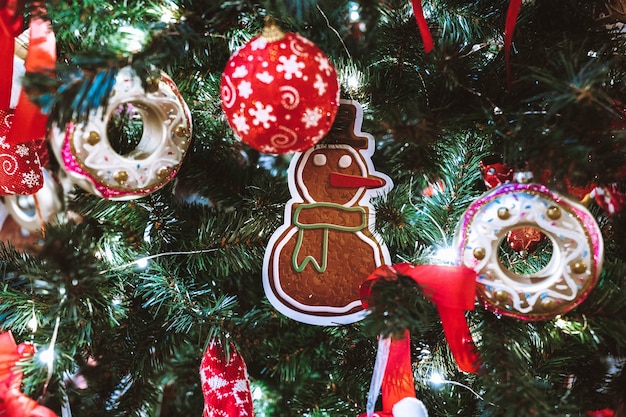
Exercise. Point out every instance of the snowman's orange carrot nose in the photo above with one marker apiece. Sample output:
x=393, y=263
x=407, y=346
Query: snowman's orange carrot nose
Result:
x=354, y=181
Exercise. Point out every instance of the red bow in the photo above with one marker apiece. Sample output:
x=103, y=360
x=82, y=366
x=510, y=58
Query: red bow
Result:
x=12, y=401
x=452, y=289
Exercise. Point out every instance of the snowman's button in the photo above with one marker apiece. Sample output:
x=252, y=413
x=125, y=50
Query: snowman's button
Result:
x=319, y=160
x=345, y=161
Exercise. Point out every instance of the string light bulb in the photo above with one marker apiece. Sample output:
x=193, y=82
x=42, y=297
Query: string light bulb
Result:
x=46, y=357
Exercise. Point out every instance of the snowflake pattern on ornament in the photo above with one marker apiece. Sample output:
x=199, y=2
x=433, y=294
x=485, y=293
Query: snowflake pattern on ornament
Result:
x=290, y=67
x=21, y=171
x=245, y=89
x=225, y=384
x=240, y=72
x=311, y=117
x=31, y=179
x=265, y=77
x=22, y=150
x=262, y=115
x=325, y=66
x=240, y=122
x=320, y=85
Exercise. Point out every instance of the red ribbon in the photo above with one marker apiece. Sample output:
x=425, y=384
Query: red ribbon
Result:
x=29, y=123
x=398, y=380
x=511, y=20
x=422, y=24
x=452, y=289
x=11, y=24
x=12, y=401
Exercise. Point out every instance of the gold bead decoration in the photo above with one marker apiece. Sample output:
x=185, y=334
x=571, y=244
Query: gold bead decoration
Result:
x=504, y=213
x=501, y=296
x=554, y=212
x=163, y=173
x=181, y=131
x=548, y=303
x=152, y=84
x=93, y=137
x=479, y=253
x=121, y=177
x=579, y=267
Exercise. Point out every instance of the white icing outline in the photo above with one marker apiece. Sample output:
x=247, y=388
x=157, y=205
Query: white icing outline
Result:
x=277, y=241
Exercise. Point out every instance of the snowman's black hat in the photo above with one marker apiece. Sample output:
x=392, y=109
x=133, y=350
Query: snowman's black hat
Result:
x=345, y=130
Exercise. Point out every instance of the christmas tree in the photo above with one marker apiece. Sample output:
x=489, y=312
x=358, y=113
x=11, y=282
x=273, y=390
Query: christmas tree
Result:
x=122, y=295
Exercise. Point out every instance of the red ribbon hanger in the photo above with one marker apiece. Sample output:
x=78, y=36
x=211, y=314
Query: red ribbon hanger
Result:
x=29, y=123
x=11, y=25
x=511, y=20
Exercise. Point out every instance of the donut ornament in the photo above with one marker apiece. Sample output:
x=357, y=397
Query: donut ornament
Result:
x=93, y=164
x=571, y=272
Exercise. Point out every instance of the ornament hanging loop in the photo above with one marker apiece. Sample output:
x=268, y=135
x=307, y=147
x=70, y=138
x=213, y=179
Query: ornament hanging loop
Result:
x=271, y=31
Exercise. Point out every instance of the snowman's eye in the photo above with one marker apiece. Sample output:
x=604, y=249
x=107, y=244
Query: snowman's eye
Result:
x=319, y=160
x=345, y=161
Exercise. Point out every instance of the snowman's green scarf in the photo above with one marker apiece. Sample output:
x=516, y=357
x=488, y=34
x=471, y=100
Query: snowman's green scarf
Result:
x=308, y=216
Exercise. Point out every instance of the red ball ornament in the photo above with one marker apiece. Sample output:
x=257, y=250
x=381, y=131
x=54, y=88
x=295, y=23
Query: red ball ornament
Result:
x=280, y=93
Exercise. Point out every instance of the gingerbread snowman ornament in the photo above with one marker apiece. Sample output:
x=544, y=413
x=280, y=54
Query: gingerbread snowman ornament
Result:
x=316, y=261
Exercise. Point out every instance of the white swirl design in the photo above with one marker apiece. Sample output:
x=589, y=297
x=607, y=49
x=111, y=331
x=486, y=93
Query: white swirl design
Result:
x=9, y=164
x=289, y=97
x=229, y=93
x=298, y=45
x=284, y=139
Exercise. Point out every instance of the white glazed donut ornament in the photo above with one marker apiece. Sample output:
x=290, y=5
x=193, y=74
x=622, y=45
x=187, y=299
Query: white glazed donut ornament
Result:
x=568, y=277
x=93, y=164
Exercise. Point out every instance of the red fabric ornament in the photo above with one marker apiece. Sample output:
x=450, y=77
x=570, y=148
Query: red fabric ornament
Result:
x=280, y=93
x=225, y=383
x=452, y=289
x=13, y=402
x=525, y=239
